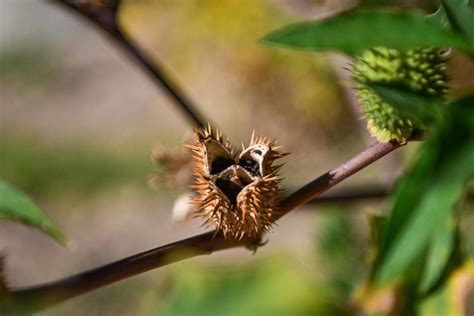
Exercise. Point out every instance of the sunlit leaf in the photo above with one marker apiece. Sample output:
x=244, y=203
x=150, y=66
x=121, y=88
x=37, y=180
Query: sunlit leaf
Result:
x=16, y=206
x=356, y=31
x=426, y=195
x=440, y=17
x=433, y=209
x=439, y=252
x=455, y=298
x=275, y=286
x=338, y=251
x=460, y=16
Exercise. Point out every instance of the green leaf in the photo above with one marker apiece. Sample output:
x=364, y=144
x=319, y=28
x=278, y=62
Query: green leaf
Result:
x=355, y=31
x=454, y=297
x=433, y=209
x=440, y=250
x=16, y=206
x=427, y=194
x=440, y=17
x=425, y=111
x=461, y=17
x=274, y=286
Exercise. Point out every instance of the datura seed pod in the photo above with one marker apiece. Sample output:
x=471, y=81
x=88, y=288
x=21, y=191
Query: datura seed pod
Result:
x=236, y=193
x=421, y=70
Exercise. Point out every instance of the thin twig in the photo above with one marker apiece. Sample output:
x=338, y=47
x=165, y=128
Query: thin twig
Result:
x=350, y=195
x=106, y=19
x=33, y=299
x=27, y=300
x=333, y=177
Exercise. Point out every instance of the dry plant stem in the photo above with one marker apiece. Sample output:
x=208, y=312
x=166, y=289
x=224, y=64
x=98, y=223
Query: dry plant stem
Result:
x=351, y=195
x=107, y=20
x=333, y=177
x=35, y=298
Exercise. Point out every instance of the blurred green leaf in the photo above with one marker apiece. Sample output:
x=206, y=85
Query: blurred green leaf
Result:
x=83, y=169
x=439, y=252
x=377, y=230
x=461, y=17
x=16, y=206
x=425, y=111
x=28, y=66
x=356, y=31
x=440, y=17
x=339, y=251
x=427, y=194
x=454, y=298
x=428, y=213
x=274, y=286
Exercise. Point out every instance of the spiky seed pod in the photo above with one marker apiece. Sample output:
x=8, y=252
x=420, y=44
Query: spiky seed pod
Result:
x=379, y=65
x=421, y=70
x=383, y=121
x=235, y=193
x=425, y=71
x=384, y=66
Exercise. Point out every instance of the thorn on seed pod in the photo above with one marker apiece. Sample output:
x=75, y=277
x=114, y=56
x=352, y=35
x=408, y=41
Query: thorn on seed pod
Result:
x=236, y=193
x=421, y=70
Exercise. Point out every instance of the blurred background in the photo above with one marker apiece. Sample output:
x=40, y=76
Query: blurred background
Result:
x=79, y=120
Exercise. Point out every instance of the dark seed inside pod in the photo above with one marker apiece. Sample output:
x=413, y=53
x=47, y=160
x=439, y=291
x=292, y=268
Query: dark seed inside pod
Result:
x=251, y=166
x=220, y=164
x=229, y=188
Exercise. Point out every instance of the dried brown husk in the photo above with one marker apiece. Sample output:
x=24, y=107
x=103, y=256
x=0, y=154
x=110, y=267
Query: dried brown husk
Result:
x=237, y=194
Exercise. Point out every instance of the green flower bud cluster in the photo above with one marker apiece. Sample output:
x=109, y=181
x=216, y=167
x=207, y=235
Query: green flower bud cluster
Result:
x=421, y=70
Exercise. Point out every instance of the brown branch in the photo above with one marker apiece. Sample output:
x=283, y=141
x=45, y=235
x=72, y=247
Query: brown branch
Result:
x=106, y=18
x=27, y=300
x=350, y=195
x=33, y=299
x=333, y=177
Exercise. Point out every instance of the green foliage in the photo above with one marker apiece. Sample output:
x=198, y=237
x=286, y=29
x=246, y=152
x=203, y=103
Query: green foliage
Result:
x=401, y=82
x=16, y=206
x=440, y=17
x=454, y=297
x=357, y=31
x=45, y=169
x=426, y=195
x=339, y=252
x=461, y=17
x=275, y=286
x=458, y=16
x=440, y=249
x=29, y=66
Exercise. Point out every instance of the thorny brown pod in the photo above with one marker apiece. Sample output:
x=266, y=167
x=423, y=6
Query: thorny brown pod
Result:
x=237, y=193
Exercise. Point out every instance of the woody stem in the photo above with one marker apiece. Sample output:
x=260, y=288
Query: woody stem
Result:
x=21, y=301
